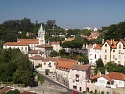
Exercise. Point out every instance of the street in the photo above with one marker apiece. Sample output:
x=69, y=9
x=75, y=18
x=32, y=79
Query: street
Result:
x=57, y=83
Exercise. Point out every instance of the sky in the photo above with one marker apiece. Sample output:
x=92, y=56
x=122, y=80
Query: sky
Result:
x=67, y=13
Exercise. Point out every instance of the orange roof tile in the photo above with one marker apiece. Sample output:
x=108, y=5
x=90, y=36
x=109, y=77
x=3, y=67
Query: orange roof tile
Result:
x=35, y=52
x=50, y=59
x=95, y=76
x=80, y=67
x=65, y=64
x=27, y=92
x=15, y=44
x=114, y=76
x=54, y=43
x=29, y=41
x=68, y=39
x=45, y=46
x=4, y=90
x=98, y=46
x=93, y=35
x=112, y=43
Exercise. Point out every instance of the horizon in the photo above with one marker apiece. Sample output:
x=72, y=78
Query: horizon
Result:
x=67, y=14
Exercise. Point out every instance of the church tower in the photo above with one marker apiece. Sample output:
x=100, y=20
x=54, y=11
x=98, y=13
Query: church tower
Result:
x=41, y=35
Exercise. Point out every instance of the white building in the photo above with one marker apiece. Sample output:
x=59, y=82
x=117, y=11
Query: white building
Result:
x=113, y=51
x=94, y=53
x=26, y=45
x=36, y=60
x=49, y=64
x=111, y=80
x=56, y=46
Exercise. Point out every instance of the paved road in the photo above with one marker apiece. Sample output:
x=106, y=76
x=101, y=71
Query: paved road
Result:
x=57, y=83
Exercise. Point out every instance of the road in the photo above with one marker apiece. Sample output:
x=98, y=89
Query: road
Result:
x=57, y=83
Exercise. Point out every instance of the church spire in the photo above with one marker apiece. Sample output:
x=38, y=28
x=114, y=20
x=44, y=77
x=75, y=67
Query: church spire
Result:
x=41, y=29
x=41, y=35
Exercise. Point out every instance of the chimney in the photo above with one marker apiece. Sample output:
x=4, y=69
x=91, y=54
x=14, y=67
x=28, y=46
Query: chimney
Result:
x=103, y=41
x=111, y=41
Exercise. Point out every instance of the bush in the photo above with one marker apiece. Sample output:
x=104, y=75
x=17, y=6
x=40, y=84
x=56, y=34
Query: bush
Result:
x=40, y=77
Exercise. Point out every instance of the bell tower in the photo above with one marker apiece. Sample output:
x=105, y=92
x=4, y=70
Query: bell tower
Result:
x=41, y=35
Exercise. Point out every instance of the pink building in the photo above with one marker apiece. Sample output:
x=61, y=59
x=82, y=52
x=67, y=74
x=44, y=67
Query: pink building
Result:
x=78, y=77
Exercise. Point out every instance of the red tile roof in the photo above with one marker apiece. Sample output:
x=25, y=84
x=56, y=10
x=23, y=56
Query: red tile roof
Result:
x=65, y=64
x=50, y=59
x=35, y=52
x=45, y=46
x=27, y=92
x=22, y=42
x=95, y=76
x=15, y=44
x=68, y=39
x=4, y=90
x=29, y=41
x=80, y=67
x=114, y=76
x=93, y=35
x=54, y=43
x=98, y=47
x=112, y=43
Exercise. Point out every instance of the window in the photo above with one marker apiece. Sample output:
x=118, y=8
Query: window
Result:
x=21, y=48
x=105, y=50
x=26, y=49
x=80, y=88
x=105, y=57
x=113, y=50
x=77, y=77
x=105, y=45
x=95, y=56
x=113, y=56
x=74, y=87
x=119, y=46
x=49, y=64
x=119, y=51
x=44, y=63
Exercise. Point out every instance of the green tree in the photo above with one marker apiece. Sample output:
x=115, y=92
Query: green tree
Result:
x=54, y=53
x=13, y=92
x=111, y=66
x=15, y=67
x=99, y=63
x=84, y=59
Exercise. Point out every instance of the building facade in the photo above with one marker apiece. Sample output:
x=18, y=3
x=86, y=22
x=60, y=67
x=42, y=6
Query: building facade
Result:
x=78, y=77
x=113, y=51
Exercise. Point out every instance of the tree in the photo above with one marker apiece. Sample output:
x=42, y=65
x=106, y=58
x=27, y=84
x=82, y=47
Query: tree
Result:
x=15, y=67
x=111, y=66
x=83, y=59
x=99, y=63
x=13, y=92
x=54, y=53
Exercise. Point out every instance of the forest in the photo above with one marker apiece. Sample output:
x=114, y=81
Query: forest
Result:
x=15, y=67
